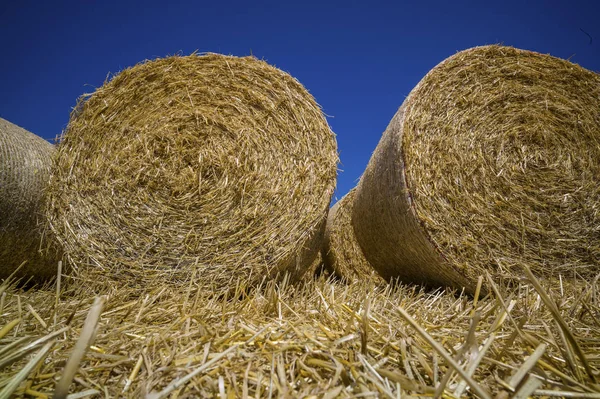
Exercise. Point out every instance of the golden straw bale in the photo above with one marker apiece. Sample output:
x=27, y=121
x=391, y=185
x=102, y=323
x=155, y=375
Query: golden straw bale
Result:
x=212, y=163
x=492, y=161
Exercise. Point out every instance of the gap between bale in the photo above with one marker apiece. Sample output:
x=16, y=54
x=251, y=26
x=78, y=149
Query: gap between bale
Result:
x=341, y=253
x=317, y=268
x=25, y=161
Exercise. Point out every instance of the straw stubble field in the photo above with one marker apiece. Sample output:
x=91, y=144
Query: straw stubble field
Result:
x=320, y=338
x=492, y=161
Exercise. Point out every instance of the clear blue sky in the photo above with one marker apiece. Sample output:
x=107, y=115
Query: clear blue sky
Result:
x=359, y=59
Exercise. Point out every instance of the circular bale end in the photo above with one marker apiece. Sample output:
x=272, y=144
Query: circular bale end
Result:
x=212, y=163
x=341, y=252
x=25, y=161
x=491, y=163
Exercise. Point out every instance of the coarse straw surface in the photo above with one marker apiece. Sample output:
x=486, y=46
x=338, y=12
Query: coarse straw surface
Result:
x=209, y=164
x=341, y=253
x=25, y=161
x=493, y=161
x=320, y=339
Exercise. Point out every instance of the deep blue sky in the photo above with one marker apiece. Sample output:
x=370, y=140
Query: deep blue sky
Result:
x=359, y=59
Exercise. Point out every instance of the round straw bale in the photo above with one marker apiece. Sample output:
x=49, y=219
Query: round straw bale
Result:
x=492, y=162
x=25, y=161
x=213, y=163
x=341, y=253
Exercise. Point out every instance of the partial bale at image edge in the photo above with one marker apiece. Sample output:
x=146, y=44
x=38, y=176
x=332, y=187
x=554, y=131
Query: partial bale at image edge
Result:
x=25, y=242
x=491, y=163
x=220, y=164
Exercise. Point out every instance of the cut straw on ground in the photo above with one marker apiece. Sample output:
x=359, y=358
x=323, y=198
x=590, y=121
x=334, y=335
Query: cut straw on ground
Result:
x=322, y=338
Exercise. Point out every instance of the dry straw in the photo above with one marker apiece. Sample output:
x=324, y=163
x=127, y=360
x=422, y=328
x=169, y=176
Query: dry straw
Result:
x=25, y=161
x=215, y=164
x=492, y=161
x=322, y=339
x=341, y=253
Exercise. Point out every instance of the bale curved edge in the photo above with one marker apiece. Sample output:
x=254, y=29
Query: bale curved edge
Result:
x=218, y=164
x=491, y=163
x=25, y=161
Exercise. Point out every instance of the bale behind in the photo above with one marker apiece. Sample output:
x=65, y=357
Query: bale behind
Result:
x=491, y=162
